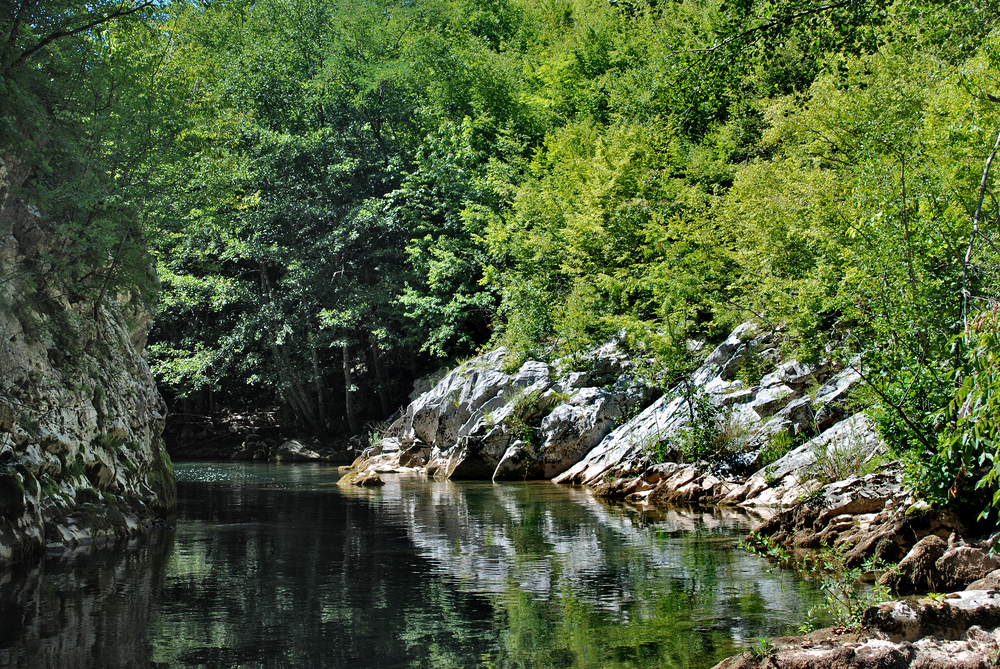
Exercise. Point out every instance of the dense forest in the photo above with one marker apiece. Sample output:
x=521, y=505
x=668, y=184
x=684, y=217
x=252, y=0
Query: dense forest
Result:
x=326, y=199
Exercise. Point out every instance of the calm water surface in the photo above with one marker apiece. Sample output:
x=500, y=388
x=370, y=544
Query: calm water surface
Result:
x=276, y=566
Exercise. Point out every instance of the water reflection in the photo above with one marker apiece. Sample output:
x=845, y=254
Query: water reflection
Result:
x=94, y=610
x=276, y=566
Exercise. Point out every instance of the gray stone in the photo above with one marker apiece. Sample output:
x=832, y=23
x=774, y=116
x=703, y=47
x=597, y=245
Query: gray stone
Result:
x=95, y=408
x=772, y=399
x=795, y=373
x=514, y=463
x=798, y=414
x=962, y=565
x=296, y=451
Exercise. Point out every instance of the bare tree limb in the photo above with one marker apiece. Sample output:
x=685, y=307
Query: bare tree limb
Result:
x=975, y=232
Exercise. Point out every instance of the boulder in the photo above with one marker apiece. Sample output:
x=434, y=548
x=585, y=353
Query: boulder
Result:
x=772, y=399
x=797, y=374
x=989, y=582
x=514, y=463
x=830, y=403
x=363, y=477
x=957, y=632
x=916, y=571
x=578, y=425
x=962, y=565
x=949, y=617
x=296, y=451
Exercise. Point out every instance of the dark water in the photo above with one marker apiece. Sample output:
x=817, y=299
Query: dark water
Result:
x=276, y=566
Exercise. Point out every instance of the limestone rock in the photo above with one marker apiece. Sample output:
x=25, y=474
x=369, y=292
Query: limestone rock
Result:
x=989, y=582
x=948, y=618
x=960, y=632
x=76, y=419
x=772, y=399
x=797, y=374
x=916, y=571
x=514, y=463
x=962, y=565
x=363, y=477
x=295, y=451
x=830, y=403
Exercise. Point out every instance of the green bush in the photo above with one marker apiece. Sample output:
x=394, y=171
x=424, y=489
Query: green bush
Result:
x=966, y=467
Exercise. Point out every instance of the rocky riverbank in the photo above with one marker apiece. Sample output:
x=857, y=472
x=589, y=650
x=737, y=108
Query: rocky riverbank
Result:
x=789, y=447
x=960, y=630
x=599, y=421
x=82, y=459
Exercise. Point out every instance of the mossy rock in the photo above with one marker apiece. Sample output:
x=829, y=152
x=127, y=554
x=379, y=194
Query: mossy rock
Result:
x=88, y=496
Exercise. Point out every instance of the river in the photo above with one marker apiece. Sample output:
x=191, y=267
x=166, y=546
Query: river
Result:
x=277, y=566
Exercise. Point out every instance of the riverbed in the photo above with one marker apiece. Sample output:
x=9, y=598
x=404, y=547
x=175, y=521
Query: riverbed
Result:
x=276, y=566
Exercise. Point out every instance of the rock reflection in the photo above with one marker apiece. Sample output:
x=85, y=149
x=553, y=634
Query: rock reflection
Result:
x=90, y=610
x=276, y=566
x=560, y=565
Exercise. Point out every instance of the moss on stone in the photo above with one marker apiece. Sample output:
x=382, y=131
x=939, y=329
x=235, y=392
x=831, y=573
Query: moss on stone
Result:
x=75, y=468
x=160, y=478
x=88, y=496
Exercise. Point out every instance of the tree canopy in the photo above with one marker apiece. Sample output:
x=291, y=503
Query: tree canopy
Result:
x=341, y=196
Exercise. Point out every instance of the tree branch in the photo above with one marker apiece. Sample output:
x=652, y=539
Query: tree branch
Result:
x=975, y=232
x=59, y=34
x=899, y=411
x=771, y=24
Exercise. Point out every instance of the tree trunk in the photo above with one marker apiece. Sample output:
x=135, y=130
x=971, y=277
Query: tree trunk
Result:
x=352, y=421
x=296, y=395
x=383, y=392
x=295, y=392
x=320, y=405
x=413, y=361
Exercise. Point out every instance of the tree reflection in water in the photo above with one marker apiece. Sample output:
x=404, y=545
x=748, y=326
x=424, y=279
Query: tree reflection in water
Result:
x=276, y=566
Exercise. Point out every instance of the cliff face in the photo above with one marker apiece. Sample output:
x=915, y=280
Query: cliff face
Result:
x=81, y=455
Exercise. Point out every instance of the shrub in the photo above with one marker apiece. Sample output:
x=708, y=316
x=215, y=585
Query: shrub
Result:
x=847, y=596
x=966, y=466
x=842, y=460
x=776, y=447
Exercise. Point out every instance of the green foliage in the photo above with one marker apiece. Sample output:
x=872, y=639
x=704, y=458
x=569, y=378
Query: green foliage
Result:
x=966, y=467
x=835, y=462
x=777, y=446
x=762, y=647
x=703, y=438
x=338, y=197
x=850, y=590
x=753, y=369
x=848, y=596
x=85, y=109
x=525, y=415
x=711, y=434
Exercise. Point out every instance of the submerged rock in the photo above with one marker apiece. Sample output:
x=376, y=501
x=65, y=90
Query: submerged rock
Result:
x=362, y=477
